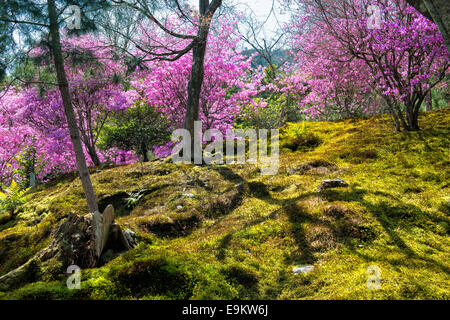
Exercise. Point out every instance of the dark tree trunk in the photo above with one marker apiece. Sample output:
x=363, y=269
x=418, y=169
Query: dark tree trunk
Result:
x=412, y=119
x=94, y=156
x=439, y=12
x=198, y=68
x=63, y=84
x=428, y=102
x=144, y=152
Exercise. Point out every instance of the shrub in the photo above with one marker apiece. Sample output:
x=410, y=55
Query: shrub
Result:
x=296, y=137
x=275, y=114
x=138, y=129
x=29, y=162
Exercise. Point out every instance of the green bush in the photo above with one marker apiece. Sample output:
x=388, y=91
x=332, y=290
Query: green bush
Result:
x=275, y=114
x=138, y=129
x=28, y=163
x=296, y=137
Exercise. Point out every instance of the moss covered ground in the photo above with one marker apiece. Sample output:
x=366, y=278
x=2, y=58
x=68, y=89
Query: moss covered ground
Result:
x=226, y=232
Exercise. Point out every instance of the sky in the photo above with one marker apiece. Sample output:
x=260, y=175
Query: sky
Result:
x=262, y=10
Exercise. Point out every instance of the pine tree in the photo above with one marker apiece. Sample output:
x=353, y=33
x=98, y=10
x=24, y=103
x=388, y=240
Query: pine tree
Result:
x=25, y=23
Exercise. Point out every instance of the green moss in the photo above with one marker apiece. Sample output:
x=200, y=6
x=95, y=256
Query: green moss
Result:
x=42, y=291
x=154, y=275
x=226, y=232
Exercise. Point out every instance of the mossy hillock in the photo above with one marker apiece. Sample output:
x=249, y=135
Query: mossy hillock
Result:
x=226, y=232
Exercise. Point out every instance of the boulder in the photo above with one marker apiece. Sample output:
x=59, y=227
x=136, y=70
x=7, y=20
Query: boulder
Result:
x=130, y=237
x=102, y=223
x=334, y=183
x=302, y=269
x=79, y=240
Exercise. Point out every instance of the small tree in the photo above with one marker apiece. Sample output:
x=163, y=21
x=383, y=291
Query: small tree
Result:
x=139, y=129
x=29, y=162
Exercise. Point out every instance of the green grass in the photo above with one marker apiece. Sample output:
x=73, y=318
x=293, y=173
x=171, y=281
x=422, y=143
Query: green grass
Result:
x=225, y=232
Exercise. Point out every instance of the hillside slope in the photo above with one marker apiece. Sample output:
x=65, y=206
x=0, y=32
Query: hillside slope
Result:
x=225, y=232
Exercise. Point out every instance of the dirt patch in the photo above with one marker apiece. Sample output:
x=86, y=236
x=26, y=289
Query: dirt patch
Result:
x=347, y=223
x=320, y=167
x=173, y=226
x=226, y=202
x=320, y=238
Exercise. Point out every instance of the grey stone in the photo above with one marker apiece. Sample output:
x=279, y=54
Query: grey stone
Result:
x=130, y=238
x=102, y=223
x=334, y=183
x=32, y=179
x=302, y=269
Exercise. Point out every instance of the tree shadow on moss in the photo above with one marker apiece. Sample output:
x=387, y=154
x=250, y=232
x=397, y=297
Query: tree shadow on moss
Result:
x=390, y=217
x=295, y=215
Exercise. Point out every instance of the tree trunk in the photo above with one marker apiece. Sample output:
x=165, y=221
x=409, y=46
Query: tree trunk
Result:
x=439, y=12
x=94, y=157
x=63, y=84
x=197, y=74
x=428, y=102
x=194, y=90
x=412, y=117
x=144, y=152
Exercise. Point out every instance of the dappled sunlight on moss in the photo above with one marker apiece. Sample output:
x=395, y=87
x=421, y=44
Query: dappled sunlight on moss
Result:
x=226, y=232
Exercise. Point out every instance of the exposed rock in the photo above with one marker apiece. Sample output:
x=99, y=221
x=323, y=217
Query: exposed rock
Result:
x=79, y=240
x=102, y=223
x=302, y=269
x=334, y=183
x=189, y=195
x=130, y=237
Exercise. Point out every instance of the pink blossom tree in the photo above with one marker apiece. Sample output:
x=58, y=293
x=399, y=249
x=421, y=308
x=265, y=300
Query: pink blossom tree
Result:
x=402, y=53
x=227, y=83
x=94, y=76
